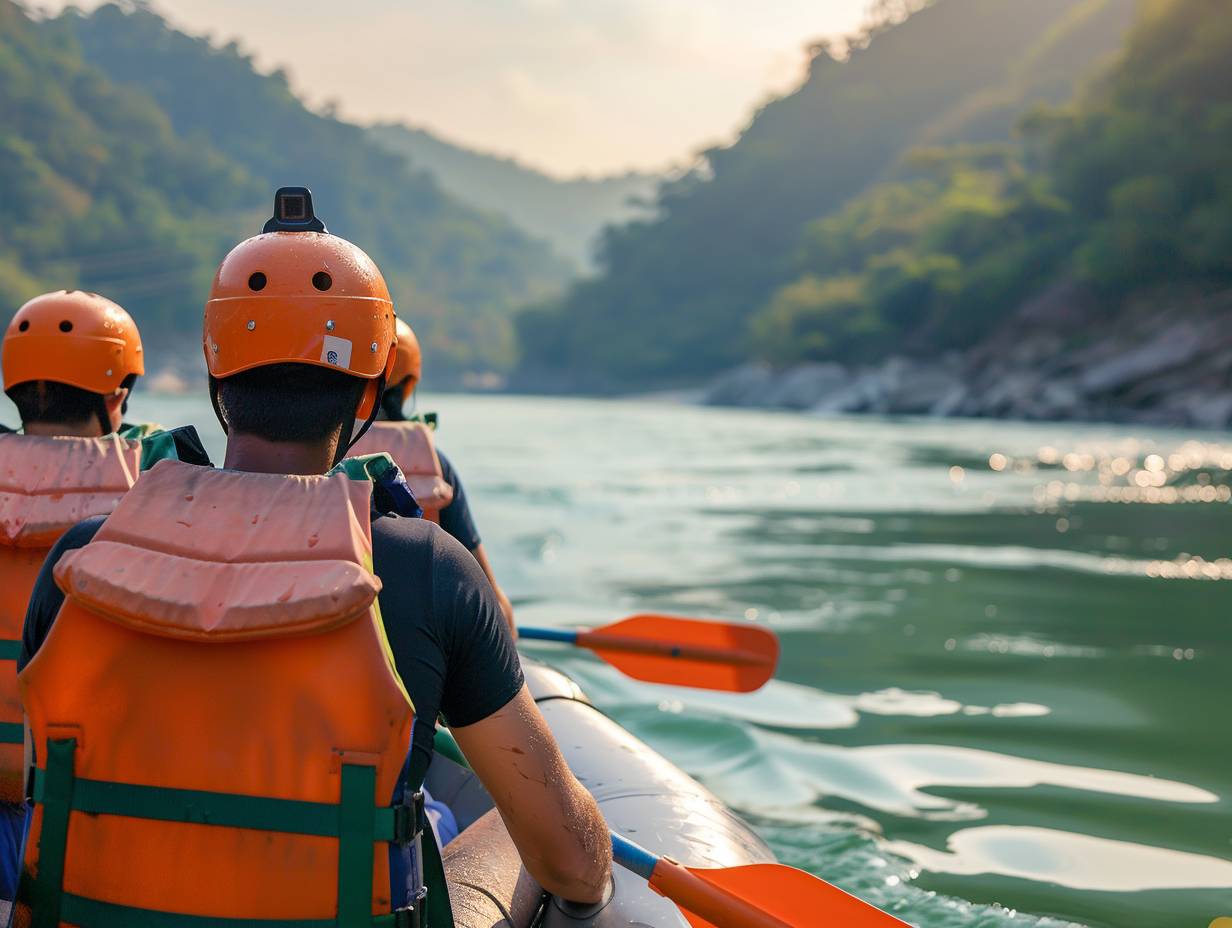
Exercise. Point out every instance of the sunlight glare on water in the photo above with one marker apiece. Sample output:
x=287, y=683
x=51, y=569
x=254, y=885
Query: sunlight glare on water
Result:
x=1002, y=698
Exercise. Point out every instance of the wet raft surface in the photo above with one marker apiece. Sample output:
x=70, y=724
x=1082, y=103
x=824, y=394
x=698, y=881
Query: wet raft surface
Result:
x=641, y=794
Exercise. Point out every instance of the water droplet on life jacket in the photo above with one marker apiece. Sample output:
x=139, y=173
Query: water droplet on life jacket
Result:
x=188, y=498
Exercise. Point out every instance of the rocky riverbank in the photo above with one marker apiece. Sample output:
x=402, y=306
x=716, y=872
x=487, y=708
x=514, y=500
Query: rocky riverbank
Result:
x=1157, y=363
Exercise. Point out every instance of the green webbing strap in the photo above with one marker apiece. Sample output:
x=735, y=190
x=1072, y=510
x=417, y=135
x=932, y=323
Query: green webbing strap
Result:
x=230, y=810
x=443, y=743
x=53, y=840
x=354, y=821
x=365, y=467
x=355, y=844
x=11, y=732
x=77, y=910
x=430, y=419
x=136, y=432
x=155, y=446
x=438, y=913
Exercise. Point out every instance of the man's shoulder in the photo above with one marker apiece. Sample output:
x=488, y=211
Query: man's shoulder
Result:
x=448, y=471
x=414, y=535
x=418, y=544
x=398, y=531
x=80, y=534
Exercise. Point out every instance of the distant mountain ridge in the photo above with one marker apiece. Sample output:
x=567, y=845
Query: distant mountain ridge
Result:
x=134, y=155
x=566, y=213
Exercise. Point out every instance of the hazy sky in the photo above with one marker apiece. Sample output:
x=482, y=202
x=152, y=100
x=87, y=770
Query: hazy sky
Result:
x=568, y=85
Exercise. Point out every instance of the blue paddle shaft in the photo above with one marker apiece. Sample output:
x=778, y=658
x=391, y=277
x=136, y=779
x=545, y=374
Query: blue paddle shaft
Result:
x=563, y=635
x=633, y=857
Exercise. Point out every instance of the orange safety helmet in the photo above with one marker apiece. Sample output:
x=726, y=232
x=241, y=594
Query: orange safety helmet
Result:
x=408, y=364
x=297, y=294
x=72, y=337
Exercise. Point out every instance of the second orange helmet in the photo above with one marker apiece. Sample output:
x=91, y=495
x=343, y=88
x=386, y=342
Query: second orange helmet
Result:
x=408, y=365
x=73, y=337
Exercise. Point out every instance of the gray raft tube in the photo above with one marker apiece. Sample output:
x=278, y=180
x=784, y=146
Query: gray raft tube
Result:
x=642, y=795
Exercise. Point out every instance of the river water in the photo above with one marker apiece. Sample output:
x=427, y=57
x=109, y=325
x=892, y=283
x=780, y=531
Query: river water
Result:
x=1007, y=655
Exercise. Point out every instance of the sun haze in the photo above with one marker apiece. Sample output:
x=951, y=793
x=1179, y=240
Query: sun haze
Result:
x=571, y=86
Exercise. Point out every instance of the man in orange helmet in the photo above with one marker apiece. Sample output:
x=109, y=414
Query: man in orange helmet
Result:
x=70, y=360
x=431, y=475
x=284, y=633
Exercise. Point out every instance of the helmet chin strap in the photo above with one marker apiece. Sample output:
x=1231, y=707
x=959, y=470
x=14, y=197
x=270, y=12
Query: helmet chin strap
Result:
x=372, y=414
x=214, y=402
x=104, y=417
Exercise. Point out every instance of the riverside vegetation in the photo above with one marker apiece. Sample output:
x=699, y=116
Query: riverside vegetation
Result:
x=990, y=208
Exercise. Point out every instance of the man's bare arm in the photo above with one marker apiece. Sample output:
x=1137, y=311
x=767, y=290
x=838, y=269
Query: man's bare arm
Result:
x=555, y=823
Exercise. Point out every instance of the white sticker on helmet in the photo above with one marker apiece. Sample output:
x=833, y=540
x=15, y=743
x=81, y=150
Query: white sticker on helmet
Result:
x=336, y=351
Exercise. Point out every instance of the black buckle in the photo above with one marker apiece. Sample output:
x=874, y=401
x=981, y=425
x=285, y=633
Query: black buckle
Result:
x=410, y=820
x=412, y=916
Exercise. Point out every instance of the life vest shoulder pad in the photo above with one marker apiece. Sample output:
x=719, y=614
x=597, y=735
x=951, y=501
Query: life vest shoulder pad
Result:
x=212, y=555
x=48, y=485
x=284, y=696
x=413, y=448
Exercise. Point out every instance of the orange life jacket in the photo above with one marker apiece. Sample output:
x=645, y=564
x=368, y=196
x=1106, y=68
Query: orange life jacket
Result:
x=47, y=485
x=413, y=448
x=219, y=729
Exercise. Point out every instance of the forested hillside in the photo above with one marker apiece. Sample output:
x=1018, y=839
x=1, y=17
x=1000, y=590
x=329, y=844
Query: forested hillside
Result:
x=97, y=189
x=677, y=295
x=139, y=153
x=1127, y=189
x=568, y=214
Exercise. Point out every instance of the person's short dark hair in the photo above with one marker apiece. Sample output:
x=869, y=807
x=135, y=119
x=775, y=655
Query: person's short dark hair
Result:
x=51, y=403
x=289, y=402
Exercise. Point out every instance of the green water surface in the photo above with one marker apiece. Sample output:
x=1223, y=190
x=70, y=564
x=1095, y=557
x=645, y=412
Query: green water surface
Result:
x=1006, y=647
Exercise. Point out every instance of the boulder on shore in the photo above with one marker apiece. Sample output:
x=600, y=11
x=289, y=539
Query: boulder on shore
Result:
x=1150, y=367
x=746, y=385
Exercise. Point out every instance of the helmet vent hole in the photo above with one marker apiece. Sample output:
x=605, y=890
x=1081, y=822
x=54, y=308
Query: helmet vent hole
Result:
x=25, y=324
x=66, y=326
x=256, y=281
x=322, y=281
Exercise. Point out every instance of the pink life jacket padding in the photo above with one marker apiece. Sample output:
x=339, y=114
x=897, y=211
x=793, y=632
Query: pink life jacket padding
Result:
x=220, y=556
x=413, y=449
x=48, y=485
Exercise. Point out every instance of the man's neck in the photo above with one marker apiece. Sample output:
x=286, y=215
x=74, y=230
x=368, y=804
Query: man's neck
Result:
x=88, y=428
x=259, y=456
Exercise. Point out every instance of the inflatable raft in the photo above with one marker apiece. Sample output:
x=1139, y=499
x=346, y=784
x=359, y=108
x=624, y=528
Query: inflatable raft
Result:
x=643, y=796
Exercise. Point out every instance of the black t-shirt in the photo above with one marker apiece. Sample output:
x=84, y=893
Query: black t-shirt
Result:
x=456, y=518
x=449, y=639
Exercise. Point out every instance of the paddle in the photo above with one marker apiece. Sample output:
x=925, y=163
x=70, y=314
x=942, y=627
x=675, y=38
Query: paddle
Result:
x=732, y=656
x=751, y=896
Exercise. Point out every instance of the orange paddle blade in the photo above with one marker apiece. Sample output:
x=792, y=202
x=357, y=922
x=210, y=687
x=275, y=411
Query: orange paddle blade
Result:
x=732, y=656
x=763, y=896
